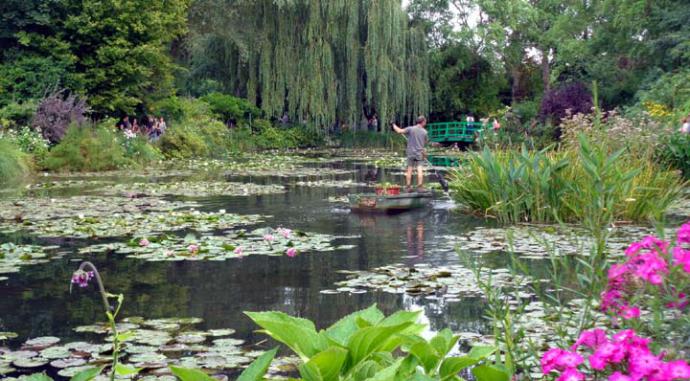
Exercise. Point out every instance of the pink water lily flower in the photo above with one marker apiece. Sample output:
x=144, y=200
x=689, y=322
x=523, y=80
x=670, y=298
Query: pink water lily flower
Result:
x=144, y=242
x=291, y=252
x=285, y=232
x=269, y=238
x=238, y=250
x=193, y=249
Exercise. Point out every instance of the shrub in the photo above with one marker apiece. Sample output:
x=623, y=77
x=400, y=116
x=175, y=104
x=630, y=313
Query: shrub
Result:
x=550, y=186
x=88, y=148
x=14, y=164
x=140, y=151
x=56, y=112
x=230, y=108
x=196, y=134
x=171, y=108
x=367, y=345
x=16, y=114
x=28, y=77
x=28, y=141
x=674, y=151
x=556, y=103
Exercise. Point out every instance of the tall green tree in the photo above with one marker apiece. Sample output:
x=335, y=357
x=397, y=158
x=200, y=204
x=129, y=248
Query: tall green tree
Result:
x=114, y=52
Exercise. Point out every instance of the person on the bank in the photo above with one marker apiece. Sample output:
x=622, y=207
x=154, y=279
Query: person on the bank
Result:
x=417, y=139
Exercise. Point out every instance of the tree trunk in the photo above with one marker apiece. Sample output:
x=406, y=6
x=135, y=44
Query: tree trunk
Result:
x=545, y=69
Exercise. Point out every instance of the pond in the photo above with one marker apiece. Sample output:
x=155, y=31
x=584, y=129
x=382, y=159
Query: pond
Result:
x=301, y=194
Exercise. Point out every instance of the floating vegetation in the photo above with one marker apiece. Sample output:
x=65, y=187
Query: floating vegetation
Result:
x=292, y=172
x=25, y=211
x=153, y=345
x=539, y=242
x=13, y=257
x=236, y=244
x=195, y=189
x=124, y=224
x=447, y=282
x=331, y=183
x=63, y=184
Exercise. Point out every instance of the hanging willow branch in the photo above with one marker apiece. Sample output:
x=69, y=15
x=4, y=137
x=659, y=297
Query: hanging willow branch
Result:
x=320, y=61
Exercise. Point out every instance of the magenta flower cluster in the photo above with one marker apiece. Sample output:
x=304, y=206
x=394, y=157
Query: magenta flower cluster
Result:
x=81, y=278
x=624, y=357
x=649, y=262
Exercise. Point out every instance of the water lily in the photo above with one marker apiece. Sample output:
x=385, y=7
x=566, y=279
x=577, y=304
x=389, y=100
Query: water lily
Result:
x=269, y=238
x=193, y=249
x=144, y=242
x=222, y=211
x=285, y=233
x=238, y=250
x=291, y=252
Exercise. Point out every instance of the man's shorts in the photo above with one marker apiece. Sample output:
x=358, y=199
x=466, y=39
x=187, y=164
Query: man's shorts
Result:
x=414, y=161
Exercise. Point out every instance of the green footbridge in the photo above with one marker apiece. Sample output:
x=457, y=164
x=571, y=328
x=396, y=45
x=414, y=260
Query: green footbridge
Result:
x=455, y=132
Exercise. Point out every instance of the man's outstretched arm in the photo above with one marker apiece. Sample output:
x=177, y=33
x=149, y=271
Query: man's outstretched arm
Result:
x=398, y=129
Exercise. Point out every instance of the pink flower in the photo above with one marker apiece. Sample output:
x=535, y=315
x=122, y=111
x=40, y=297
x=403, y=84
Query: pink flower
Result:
x=676, y=370
x=291, y=252
x=617, y=271
x=681, y=258
x=571, y=374
x=681, y=303
x=642, y=363
x=591, y=339
x=618, y=376
x=238, y=250
x=598, y=362
x=82, y=278
x=628, y=312
x=193, y=249
x=269, y=238
x=285, y=233
x=683, y=235
x=568, y=360
x=144, y=242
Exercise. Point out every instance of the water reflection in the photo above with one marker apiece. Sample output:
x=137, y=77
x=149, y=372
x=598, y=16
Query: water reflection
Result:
x=36, y=301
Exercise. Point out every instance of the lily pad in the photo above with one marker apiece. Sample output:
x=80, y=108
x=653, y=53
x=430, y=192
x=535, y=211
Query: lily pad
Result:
x=67, y=363
x=41, y=342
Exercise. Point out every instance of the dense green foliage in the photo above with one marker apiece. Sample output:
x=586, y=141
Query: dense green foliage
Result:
x=14, y=164
x=114, y=52
x=97, y=148
x=365, y=346
x=675, y=151
x=552, y=186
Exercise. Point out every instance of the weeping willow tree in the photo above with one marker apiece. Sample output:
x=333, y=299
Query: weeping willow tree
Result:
x=321, y=61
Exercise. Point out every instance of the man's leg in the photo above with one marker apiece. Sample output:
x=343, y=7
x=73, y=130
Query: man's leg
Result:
x=408, y=176
x=420, y=176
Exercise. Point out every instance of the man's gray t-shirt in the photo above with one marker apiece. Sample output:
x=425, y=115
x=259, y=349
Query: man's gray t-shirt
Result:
x=416, y=140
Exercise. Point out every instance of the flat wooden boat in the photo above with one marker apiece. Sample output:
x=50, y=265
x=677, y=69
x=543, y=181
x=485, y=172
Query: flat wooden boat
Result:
x=371, y=202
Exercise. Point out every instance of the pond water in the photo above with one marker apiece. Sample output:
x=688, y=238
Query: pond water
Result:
x=36, y=301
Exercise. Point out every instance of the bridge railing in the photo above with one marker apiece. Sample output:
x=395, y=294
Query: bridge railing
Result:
x=450, y=132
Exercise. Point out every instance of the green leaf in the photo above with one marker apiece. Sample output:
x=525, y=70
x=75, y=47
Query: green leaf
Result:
x=369, y=340
x=126, y=370
x=87, y=375
x=387, y=374
x=38, y=377
x=329, y=363
x=190, y=374
x=480, y=352
x=444, y=342
x=257, y=370
x=451, y=366
x=426, y=355
x=341, y=331
x=490, y=373
x=310, y=372
x=298, y=334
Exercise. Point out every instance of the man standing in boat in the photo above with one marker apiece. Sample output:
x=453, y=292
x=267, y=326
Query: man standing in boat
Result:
x=417, y=139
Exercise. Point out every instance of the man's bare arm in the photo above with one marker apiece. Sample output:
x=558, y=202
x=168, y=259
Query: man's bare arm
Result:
x=398, y=129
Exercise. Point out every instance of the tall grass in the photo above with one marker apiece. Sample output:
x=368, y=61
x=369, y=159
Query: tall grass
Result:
x=14, y=164
x=565, y=185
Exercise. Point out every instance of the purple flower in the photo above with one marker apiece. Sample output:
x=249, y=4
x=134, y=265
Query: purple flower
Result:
x=82, y=278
